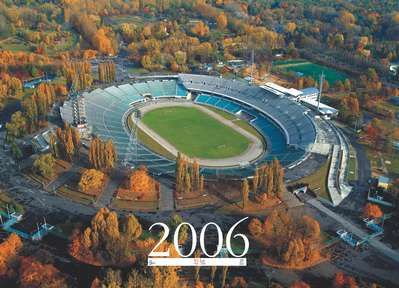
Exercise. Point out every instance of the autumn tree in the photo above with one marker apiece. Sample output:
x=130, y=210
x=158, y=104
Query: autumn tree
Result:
x=188, y=177
x=245, y=193
x=10, y=87
x=102, y=156
x=91, y=181
x=44, y=164
x=221, y=21
x=372, y=211
x=105, y=241
x=200, y=29
x=78, y=74
x=9, y=249
x=299, y=284
x=106, y=72
x=140, y=182
x=292, y=241
x=33, y=273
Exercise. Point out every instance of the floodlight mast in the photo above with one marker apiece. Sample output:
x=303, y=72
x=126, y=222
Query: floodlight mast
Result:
x=321, y=89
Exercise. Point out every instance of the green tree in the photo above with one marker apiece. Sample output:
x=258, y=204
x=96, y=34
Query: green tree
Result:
x=133, y=228
x=16, y=128
x=45, y=165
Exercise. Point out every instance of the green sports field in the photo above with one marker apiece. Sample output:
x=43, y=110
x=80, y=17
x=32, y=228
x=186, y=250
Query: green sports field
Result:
x=307, y=68
x=195, y=133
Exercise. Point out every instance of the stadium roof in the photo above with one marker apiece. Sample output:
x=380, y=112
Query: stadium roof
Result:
x=291, y=91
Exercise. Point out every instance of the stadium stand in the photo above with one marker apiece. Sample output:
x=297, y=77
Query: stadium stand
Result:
x=284, y=124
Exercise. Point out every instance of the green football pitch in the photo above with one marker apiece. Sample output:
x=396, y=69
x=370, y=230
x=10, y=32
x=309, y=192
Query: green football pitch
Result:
x=195, y=133
x=307, y=68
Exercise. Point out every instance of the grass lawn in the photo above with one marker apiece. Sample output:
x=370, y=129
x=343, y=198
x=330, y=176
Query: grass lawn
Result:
x=195, y=133
x=132, y=205
x=318, y=181
x=7, y=201
x=311, y=69
x=77, y=196
x=150, y=143
x=239, y=122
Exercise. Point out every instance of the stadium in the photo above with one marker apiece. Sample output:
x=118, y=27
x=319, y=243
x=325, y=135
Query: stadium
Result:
x=230, y=126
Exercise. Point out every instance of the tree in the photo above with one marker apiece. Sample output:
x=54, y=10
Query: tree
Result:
x=299, y=284
x=174, y=221
x=197, y=255
x=224, y=275
x=113, y=279
x=221, y=21
x=15, y=150
x=290, y=27
x=91, y=181
x=187, y=183
x=45, y=165
x=255, y=227
x=102, y=155
x=212, y=274
x=133, y=228
x=137, y=280
x=141, y=182
x=202, y=184
x=245, y=193
x=106, y=72
x=372, y=211
x=255, y=181
x=200, y=29
x=69, y=147
x=16, y=128
x=9, y=249
x=33, y=273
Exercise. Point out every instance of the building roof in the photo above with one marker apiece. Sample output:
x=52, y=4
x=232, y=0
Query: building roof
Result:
x=291, y=91
x=384, y=180
x=309, y=91
x=323, y=108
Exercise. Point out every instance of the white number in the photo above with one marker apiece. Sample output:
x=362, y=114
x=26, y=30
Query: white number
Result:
x=220, y=239
x=193, y=238
x=153, y=253
x=163, y=238
x=228, y=239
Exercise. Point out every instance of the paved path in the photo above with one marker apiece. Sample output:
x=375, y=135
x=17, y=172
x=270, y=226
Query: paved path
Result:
x=105, y=198
x=350, y=227
x=166, y=199
x=63, y=178
x=254, y=150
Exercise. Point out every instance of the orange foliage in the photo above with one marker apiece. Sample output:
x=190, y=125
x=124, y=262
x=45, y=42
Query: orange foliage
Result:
x=35, y=274
x=341, y=280
x=8, y=254
x=103, y=43
x=141, y=182
x=372, y=211
x=299, y=284
x=9, y=58
x=89, y=54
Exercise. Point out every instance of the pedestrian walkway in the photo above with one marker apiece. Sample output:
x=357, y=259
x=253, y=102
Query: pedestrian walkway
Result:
x=166, y=199
x=105, y=198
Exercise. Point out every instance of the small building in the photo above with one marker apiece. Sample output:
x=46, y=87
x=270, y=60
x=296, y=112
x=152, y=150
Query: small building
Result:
x=321, y=108
x=40, y=144
x=280, y=90
x=384, y=182
x=309, y=93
